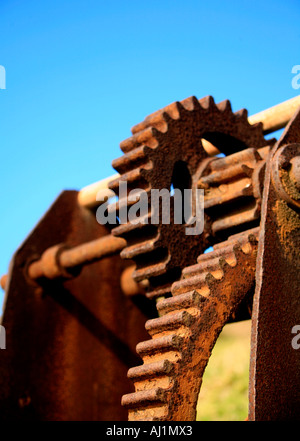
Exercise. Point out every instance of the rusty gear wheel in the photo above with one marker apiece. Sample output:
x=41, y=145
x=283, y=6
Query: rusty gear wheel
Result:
x=166, y=149
x=168, y=383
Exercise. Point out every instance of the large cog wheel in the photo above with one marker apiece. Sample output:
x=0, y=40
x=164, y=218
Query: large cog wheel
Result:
x=165, y=149
x=168, y=383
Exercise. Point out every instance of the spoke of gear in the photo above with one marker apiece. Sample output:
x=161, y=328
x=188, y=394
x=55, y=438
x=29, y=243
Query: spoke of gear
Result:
x=168, y=383
x=165, y=149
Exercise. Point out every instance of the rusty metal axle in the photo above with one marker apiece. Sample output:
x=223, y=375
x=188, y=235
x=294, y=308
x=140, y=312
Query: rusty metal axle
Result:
x=57, y=261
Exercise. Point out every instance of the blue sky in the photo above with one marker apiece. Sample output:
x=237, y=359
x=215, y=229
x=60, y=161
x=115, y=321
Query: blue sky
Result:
x=80, y=74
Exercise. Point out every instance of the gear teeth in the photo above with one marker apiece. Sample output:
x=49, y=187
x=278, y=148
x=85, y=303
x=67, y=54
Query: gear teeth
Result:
x=138, y=249
x=235, y=219
x=169, y=322
x=122, y=203
x=225, y=265
x=144, y=398
x=150, y=370
x=195, y=282
x=207, y=102
x=125, y=229
x=144, y=163
x=184, y=335
x=242, y=114
x=209, y=265
x=172, y=111
x=149, y=271
x=130, y=177
x=145, y=137
x=159, y=292
x=163, y=344
x=241, y=238
x=125, y=162
x=190, y=103
x=224, y=106
x=186, y=300
x=157, y=120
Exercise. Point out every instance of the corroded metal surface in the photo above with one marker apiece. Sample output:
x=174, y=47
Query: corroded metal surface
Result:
x=165, y=149
x=75, y=310
x=69, y=342
x=58, y=259
x=274, y=389
x=168, y=383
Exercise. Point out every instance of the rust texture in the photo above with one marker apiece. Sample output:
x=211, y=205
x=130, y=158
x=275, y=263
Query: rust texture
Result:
x=211, y=292
x=274, y=389
x=168, y=383
x=56, y=260
x=69, y=342
x=176, y=133
x=78, y=294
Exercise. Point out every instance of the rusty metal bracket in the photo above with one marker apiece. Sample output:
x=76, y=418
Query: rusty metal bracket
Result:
x=69, y=341
x=274, y=388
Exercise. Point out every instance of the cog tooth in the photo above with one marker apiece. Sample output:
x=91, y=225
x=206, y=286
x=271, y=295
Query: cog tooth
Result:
x=166, y=343
x=184, y=285
x=144, y=398
x=130, y=177
x=235, y=191
x=186, y=300
x=235, y=219
x=138, y=249
x=124, y=162
x=225, y=265
x=124, y=229
x=156, y=292
x=129, y=144
x=244, y=236
x=142, y=137
x=242, y=114
x=207, y=102
x=219, y=177
x=147, y=122
x=240, y=251
x=149, y=370
x=149, y=271
x=211, y=281
x=177, y=360
x=248, y=156
x=119, y=204
x=157, y=119
x=223, y=248
x=259, y=125
x=224, y=106
x=157, y=122
x=158, y=131
x=190, y=103
x=204, y=266
x=173, y=110
x=169, y=322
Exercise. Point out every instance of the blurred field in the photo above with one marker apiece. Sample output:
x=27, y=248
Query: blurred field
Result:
x=224, y=392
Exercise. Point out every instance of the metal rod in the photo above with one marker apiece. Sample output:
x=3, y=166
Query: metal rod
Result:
x=276, y=117
x=3, y=281
x=273, y=119
x=94, y=194
x=56, y=261
x=91, y=251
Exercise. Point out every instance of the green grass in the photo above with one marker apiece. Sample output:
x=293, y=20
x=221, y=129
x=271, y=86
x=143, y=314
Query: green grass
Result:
x=224, y=391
